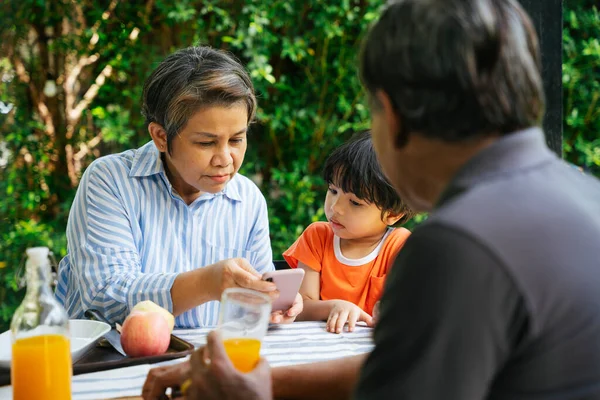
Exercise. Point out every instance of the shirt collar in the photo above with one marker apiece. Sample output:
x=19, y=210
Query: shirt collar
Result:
x=511, y=153
x=232, y=190
x=147, y=162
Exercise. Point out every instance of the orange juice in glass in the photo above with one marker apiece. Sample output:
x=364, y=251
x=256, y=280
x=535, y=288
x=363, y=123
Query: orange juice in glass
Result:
x=243, y=322
x=41, y=366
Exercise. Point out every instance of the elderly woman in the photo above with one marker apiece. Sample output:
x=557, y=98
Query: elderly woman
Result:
x=172, y=221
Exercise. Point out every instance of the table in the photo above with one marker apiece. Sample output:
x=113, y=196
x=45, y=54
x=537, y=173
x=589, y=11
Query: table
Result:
x=297, y=343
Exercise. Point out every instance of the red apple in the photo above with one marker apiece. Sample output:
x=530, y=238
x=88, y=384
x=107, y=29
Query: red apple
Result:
x=145, y=334
x=148, y=306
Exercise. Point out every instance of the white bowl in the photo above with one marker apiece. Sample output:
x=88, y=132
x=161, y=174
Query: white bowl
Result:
x=84, y=334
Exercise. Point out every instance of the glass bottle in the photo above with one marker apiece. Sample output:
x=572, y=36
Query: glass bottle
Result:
x=41, y=366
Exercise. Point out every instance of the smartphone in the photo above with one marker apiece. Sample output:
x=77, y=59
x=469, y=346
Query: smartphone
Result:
x=288, y=283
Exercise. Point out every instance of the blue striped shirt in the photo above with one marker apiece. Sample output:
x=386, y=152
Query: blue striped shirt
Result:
x=130, y=234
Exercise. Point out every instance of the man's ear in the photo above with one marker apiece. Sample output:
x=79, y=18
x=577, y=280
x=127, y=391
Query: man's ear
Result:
x=390, y=218
x=159, y=136
x=396, y=135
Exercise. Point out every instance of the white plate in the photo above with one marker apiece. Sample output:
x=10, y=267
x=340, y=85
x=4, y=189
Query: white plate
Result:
x=84, y=334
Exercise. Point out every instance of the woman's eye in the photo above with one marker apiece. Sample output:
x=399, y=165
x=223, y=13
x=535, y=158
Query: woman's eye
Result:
x=236, y=141
x=332, y=191
x=355, y=203
x=204, y=144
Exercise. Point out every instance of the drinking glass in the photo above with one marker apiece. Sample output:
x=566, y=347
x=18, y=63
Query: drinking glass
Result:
x=243, y=322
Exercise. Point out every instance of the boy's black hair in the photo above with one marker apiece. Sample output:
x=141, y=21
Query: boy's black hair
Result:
x=353, y=167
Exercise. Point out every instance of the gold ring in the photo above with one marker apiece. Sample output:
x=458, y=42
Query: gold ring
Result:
x=185, y=385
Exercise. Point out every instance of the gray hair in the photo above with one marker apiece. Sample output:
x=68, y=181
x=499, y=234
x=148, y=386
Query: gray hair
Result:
x=193, y=78
x=455, y=69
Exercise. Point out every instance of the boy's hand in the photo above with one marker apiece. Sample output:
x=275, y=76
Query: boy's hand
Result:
x=344, y=311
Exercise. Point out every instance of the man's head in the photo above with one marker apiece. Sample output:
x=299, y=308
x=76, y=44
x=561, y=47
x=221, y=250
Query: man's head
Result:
x=454, y=72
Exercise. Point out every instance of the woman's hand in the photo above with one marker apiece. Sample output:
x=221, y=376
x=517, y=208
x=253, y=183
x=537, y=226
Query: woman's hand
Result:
x=201, y=285
x=238, y=273
x=344, y=311
x=287, y=317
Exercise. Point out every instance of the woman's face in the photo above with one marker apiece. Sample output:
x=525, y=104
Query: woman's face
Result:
x=208, y=151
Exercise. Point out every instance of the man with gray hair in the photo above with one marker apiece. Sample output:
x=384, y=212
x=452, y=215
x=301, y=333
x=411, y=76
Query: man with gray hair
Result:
x=497, y=294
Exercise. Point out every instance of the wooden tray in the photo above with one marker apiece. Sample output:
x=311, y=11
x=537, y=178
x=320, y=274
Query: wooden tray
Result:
x=104, y=357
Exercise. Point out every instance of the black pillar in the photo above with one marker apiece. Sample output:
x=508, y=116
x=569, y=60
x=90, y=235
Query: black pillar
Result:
x=547, y=15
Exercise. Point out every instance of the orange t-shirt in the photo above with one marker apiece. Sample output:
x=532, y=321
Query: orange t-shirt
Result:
x=359, y=281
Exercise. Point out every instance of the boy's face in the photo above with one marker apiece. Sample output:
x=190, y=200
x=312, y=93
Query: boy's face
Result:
x=352, y=218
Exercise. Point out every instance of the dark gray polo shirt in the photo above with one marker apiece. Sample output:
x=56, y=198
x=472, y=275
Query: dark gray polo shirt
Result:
x=497, y=294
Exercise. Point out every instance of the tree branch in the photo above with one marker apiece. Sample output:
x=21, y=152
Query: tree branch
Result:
x=73, y=111
x=96, y=26
x=85, y=148
x=74, y=165
x=69, y=85
x=147, y=10
x=79, y=17
x=41, y=106
x=75, y=114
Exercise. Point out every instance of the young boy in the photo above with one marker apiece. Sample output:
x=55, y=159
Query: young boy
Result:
x=347, y=258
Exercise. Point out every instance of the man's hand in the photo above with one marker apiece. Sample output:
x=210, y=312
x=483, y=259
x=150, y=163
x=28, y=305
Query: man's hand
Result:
x=237, y=272
x=344, y=311
x=213, y=376
x=287, y=317
x=161, y=378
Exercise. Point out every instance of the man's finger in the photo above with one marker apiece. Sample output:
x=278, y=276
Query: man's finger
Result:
x=216, y=351
x=262, y=368
x=161, y=378
x=199, y=359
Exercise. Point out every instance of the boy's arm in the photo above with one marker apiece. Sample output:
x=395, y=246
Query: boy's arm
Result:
x=327, y=380
x=314, y=308
x=336, y=312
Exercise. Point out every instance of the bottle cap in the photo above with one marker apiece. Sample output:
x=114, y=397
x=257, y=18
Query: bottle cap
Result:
x=38, y=254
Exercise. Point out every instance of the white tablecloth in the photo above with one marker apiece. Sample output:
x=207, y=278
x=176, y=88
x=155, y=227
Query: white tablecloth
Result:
x=297, y=343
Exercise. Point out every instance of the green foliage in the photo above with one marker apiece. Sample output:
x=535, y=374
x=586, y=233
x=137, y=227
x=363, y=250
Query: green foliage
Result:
x=295, y=201
x=581, y=83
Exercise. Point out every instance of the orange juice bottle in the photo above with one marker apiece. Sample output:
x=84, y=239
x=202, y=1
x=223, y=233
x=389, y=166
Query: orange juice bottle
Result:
x=41, y=366
x=244, y=353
